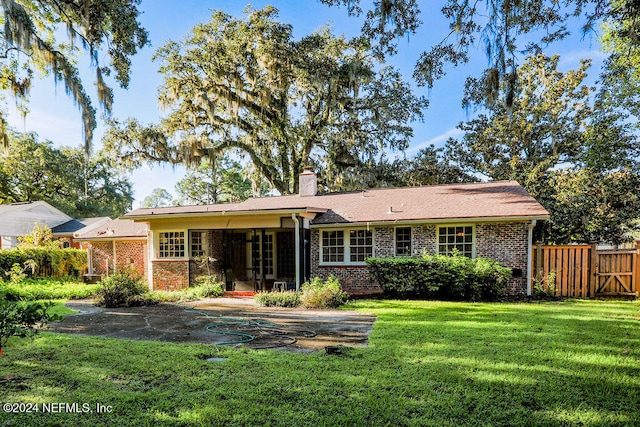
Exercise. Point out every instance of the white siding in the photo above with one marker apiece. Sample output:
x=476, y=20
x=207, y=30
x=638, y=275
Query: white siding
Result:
x=19, y=219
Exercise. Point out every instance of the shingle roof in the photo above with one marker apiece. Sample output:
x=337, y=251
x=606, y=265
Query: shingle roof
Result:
x=78, y=224
x=486, y=200
x=114, y=229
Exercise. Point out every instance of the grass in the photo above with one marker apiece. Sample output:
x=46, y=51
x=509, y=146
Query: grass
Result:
x=38, y=289
x=428, y=363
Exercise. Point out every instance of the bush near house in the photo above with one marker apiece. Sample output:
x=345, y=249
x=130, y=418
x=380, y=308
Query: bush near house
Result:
x=440, y=277
x=43, y=262
x=317, y=293
x=322, y=294
x=123, y=290
x=207, y=287
x=278, y=299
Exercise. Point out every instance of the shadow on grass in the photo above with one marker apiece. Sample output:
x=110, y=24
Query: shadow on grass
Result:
x=428, y=363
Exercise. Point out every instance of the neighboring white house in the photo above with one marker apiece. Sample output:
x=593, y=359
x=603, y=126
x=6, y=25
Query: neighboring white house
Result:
x=18, y=219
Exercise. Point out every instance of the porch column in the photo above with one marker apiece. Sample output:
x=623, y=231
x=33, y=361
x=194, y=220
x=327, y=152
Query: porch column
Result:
x=297, y=249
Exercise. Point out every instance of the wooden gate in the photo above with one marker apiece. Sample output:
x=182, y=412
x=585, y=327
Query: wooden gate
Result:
x=584, y=271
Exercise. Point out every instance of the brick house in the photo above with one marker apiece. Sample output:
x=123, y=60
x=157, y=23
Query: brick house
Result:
x=282, y=241
x=115, y=246
x=65, y=232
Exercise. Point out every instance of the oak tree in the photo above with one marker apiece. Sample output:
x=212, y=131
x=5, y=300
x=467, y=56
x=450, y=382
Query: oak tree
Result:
x=247, y=86
x=46, y=36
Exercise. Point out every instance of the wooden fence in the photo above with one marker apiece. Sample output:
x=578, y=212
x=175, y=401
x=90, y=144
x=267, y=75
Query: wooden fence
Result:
x=584, y=271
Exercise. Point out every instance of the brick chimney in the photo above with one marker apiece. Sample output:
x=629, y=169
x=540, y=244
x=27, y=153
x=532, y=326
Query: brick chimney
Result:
x=308, y=182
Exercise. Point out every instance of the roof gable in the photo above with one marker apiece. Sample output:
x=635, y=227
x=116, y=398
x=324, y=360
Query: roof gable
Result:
x=114, y=229
x=17, y=219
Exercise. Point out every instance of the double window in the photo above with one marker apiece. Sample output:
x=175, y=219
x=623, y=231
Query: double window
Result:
x=346, y=246
x=456, y=238
x=173, y=244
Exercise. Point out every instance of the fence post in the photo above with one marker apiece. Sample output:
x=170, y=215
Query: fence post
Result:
x=593, y=270
x=538, y=262
x=635, y=286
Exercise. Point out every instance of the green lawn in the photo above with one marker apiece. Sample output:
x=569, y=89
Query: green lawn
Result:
x=428, y=363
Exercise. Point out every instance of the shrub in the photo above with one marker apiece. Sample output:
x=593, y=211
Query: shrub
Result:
x=209, y=287
x=545, y=287
x=121, y=290
x=278, y=299
x=35, y=289
x=43, y=262
x=319, y=294
x=19, y=319
x=439, y=276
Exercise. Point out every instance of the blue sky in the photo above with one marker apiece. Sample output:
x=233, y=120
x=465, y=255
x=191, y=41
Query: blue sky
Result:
x=53, y=115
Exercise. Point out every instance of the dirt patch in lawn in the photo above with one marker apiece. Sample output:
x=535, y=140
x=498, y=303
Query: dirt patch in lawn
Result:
x=222, y=321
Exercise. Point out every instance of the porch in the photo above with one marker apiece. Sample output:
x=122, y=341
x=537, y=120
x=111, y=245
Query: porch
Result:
x=246, y=260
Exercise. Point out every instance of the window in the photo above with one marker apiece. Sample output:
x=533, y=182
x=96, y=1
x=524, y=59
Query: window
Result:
x=171, y=244
x=456, y=237
x=198, y=243
x=267, y=254
x=360, y=245
x=333, y=246
x=403, y=241
x=337, y=249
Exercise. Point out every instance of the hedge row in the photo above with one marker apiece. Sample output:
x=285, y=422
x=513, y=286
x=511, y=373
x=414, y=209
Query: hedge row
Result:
x=46, y=262
x=440, y=277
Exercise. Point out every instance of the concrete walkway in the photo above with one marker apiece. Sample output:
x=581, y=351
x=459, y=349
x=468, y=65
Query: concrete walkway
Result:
x=218, y=320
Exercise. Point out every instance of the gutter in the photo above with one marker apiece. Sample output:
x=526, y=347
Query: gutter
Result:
x=139, y=218
x=297, y=248
x=470, y=220
x=530, y=257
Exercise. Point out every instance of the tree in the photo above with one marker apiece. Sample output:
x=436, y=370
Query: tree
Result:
x=578, y=158
x=506, y=29
x=159, y=197
x=430, y=166
x=621, y=38
x=31, y=41
x=222, y=182
x=541, y=131
x=40, y=236
x=246, y=85
x=65, y=178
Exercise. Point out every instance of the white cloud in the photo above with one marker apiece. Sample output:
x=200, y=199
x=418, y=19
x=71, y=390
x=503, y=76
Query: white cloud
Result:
x=437, y=140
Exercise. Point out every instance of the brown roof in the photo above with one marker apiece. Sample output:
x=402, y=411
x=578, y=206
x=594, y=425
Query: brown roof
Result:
x=485, y=200
x=115, y=229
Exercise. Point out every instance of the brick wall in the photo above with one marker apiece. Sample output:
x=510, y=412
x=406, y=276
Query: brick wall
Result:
x=214, y=266
x=129, y=254
x=170, y=275
x=507, y=243
x=101, y=254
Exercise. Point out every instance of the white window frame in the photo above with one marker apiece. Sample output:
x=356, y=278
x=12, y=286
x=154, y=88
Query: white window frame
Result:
x=204, y=242
x=346, y=241
x=187, y=248
x=395, y=241
x=473, y=238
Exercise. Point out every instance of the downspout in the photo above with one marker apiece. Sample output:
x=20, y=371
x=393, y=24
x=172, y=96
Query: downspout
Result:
x=115, y=257
x=297, y=246
x=530, y=256
x=89, y=258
